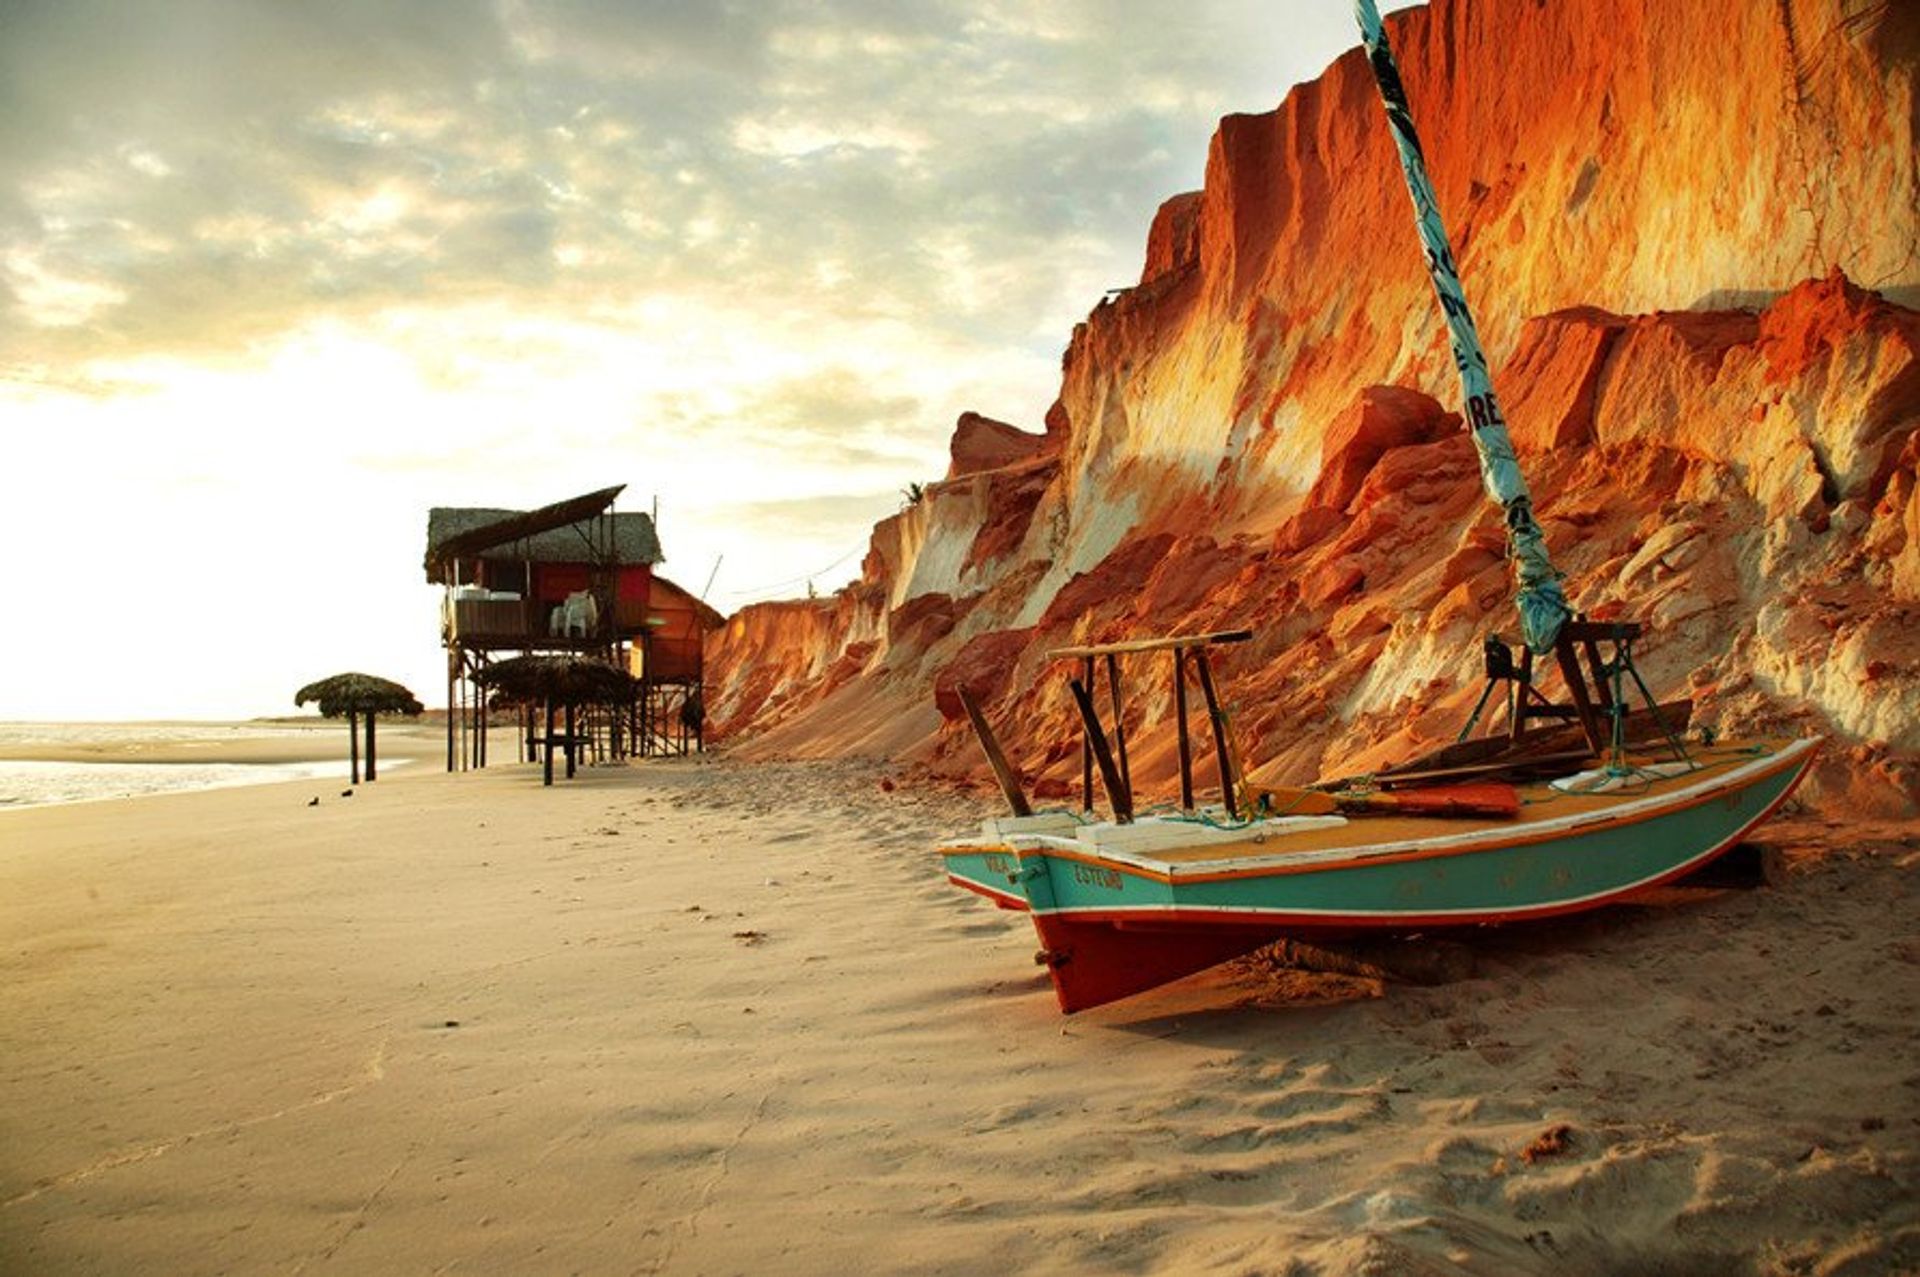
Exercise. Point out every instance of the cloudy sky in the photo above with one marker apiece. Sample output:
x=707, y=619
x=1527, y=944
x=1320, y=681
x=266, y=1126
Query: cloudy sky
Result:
x=277, y=277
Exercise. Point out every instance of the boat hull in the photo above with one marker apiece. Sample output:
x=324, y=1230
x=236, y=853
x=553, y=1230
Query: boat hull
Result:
x=1113, y=922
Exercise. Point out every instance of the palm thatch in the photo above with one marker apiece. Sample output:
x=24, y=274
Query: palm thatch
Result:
x=350, y=693
x=349, y=696
x=561, y=680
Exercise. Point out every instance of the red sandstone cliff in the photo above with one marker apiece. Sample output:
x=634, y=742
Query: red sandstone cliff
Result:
x=1657, y=210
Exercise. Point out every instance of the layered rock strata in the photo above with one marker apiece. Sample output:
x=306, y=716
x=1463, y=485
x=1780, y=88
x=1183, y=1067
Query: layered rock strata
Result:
x=1660, y=214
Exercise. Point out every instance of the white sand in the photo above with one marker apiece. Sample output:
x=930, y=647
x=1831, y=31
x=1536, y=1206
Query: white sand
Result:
x=691, y=1017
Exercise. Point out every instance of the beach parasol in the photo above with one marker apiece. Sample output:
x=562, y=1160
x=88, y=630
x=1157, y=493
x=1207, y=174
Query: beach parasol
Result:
x=564, y=681
x=351, y=695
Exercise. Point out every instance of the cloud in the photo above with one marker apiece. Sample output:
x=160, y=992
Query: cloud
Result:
x=268, y=259
x=202, y=175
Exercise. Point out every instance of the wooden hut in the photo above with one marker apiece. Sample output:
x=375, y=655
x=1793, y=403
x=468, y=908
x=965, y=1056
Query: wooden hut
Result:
x=670, y=664
x=574, y=576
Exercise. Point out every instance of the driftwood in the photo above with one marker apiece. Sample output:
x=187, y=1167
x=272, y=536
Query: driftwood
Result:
x=1421, y=960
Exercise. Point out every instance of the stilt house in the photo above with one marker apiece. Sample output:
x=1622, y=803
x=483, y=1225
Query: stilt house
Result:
x=575, y=576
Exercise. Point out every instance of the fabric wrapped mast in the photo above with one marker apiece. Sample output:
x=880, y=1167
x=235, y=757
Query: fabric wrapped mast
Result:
x=1542, y=603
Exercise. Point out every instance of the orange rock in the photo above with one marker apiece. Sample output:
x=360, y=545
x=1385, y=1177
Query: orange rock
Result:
x=1259, y=434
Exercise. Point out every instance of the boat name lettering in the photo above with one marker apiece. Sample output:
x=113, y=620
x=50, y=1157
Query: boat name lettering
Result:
x=1096, y=876
x=998, y=863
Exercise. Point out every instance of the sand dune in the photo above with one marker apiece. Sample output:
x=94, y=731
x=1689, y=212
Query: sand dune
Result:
x=698, y=1017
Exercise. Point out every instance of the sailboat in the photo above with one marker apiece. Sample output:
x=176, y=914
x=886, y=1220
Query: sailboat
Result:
x=1599, y=803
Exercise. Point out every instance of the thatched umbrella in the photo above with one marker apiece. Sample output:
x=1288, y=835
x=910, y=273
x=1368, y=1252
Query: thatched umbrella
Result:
x=564, y=682
x=351, y=695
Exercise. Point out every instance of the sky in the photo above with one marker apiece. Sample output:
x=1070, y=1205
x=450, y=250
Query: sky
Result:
x=278, y=277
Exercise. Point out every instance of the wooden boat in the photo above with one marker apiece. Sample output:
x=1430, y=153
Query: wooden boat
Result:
x=1125, y=907
x=1607, y=801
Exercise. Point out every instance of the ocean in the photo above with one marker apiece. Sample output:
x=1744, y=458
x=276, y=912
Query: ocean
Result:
x=35, y=784
x=29, y=782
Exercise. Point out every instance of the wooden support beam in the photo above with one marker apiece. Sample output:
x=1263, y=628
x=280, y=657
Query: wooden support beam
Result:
x=1117, y=793
x=451, y=658
x=1176, y=643
x=1577, y=688
x=1119, y=719
x=1217, y=716
x=1086, y=744
x=996, y=758
x=1180, y=721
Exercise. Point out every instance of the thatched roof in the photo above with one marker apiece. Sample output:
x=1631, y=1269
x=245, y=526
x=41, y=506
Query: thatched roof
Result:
x=572, y=680
x=358, y=694
x=565, y=532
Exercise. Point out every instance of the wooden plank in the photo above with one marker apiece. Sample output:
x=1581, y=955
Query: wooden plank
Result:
x=1117, y=792
x=1152, y=644
x=996, y=758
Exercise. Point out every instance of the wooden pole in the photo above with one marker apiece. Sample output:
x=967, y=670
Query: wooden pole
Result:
x=1086, y=745
x=1117, y=792
x=451, y=658
x=353, y=743
x=1180, y=721
x=1119, y=720
x=466, y=740
x=570, y=735
x=1214, y=713
x=547, y=753
x=996, y=758
x=370, y=766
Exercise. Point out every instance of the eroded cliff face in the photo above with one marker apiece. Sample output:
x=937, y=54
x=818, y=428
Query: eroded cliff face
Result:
x=1658, y=211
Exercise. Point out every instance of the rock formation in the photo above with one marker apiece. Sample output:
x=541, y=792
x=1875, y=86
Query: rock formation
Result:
x=1685, y=231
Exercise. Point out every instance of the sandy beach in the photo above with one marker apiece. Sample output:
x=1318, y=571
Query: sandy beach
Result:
x=708, y=1017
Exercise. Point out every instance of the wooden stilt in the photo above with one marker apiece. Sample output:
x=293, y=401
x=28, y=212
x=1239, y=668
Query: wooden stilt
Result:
x=547, y=753
x=570, y=740
x=452, y=663
x=353, y=744
x=372, y=771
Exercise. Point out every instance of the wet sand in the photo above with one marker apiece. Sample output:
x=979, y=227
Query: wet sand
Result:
x=708, y=1017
